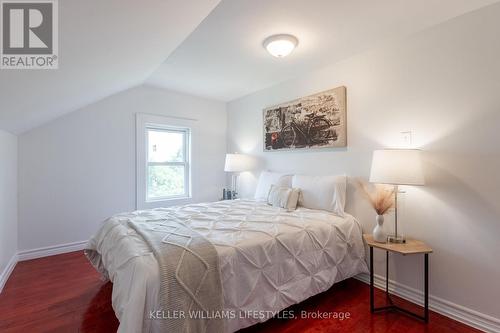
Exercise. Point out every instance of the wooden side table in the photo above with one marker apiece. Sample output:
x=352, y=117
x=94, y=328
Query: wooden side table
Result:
x=410, y=247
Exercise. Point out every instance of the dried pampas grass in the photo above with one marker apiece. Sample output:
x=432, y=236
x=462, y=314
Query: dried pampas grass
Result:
x=380, y=196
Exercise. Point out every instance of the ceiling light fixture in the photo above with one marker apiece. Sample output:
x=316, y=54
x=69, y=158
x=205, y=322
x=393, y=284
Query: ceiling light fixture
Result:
x=280, y=45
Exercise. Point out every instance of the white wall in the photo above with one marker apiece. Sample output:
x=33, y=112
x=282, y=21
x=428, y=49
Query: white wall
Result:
x=8, y=201
x=443, y=84
x=79, y=169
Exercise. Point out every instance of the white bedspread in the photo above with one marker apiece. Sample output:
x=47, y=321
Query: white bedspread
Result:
x=269, y=258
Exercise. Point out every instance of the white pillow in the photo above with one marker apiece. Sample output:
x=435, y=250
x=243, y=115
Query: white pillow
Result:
x=283, y=197
x=267, y=179
x=322, y=192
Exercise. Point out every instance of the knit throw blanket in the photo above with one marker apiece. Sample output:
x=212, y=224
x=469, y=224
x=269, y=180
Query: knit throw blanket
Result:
x=189, y=277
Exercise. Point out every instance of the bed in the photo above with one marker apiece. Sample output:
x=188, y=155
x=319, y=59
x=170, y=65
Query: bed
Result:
x=269, y=258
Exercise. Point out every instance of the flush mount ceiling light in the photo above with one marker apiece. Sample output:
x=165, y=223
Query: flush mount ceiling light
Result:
x=280, y=45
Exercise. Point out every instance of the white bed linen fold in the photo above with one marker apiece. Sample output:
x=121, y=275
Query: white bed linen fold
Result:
x=269, y=258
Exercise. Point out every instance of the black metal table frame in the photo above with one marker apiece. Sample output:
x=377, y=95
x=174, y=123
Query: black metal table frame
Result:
x=391, y=306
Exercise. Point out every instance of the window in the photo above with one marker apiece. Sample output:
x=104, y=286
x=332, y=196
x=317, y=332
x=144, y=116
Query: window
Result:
x=164, y=164
x=167, y=171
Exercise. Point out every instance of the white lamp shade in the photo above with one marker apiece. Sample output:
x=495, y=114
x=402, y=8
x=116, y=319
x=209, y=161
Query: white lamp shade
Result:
x=397, y=166
x=237, y=163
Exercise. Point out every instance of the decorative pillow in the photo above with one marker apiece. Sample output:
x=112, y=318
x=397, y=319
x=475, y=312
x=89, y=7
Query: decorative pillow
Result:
x=322, y=192
x=267, y=179
x=283, y=197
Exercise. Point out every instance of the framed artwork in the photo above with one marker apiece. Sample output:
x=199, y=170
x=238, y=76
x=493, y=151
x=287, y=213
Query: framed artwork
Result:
x=315, y=121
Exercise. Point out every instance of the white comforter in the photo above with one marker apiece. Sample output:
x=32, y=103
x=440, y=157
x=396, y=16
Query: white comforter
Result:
x=269, y=258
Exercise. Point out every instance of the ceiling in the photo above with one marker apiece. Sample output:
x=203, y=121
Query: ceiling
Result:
x=105, y=46
x=224, y=59
x=201, y=47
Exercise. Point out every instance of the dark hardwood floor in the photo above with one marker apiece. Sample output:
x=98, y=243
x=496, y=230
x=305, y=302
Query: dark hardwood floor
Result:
x=65, y=294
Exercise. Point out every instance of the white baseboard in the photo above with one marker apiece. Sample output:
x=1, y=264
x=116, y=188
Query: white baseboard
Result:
x=457, y=312
x=7, y=271
x=50, y=250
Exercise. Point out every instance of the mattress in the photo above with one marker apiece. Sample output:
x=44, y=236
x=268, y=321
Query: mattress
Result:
x=269, y=258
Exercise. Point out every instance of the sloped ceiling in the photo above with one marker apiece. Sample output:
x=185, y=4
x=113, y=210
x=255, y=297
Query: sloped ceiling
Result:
x=105, y=46
x=224, y=58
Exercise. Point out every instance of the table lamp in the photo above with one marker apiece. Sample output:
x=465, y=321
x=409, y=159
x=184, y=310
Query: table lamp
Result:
x=236, y=163
x=396, y=167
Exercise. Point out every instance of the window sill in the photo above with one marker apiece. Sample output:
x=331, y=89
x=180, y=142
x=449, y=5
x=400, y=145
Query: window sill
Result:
x=169, y=199
x=167, y=202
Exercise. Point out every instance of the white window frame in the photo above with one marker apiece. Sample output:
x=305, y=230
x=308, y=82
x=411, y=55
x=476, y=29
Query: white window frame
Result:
x=144, y=123
x=186, y=132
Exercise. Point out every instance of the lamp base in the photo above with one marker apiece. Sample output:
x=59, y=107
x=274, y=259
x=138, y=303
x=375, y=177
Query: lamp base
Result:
x=396, y=239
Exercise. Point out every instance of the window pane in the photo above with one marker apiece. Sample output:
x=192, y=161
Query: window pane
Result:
x=165, y=181
x=165, y=146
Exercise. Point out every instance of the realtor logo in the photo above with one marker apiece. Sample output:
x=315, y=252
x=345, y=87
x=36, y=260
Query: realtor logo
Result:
x=29, y=34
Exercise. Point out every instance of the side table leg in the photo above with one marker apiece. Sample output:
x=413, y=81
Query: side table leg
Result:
x=387, y=273
x=372, y=305
x=426, y=286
